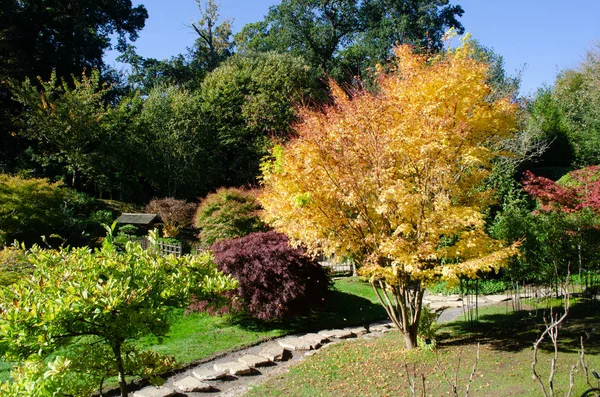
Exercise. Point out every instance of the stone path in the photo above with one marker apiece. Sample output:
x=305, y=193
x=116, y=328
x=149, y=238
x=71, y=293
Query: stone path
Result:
x=234, y=373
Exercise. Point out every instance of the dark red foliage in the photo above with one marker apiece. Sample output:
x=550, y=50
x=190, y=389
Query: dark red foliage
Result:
x=276, y=280
x=582, y=190
x=224, y=303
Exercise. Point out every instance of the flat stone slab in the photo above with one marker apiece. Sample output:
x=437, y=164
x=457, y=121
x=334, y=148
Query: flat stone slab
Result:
x=497, y=298
x=317, y=338
x=336, y=333
x=190, y=384
x=378, y=327
x=295, y=343
x=252, y=360
x=234, y=368
x=372, y=335
x=358, y=331
x=275, y=353
x=441, y=298
x=208, y=374
x=152, y=391
x=443, y=305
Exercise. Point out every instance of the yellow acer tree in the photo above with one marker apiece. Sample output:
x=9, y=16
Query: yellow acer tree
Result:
x=394, y=179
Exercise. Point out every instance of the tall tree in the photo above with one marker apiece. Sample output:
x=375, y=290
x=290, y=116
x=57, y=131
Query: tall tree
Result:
x=394, y=179
x=214, y=43
x=181, y=151
x=344, y=37
x=39, y=37
x=249, y=99
x=578, y=95
x=64, y=118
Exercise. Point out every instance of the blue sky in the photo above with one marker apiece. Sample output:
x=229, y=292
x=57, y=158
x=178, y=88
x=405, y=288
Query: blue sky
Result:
x=538, y=37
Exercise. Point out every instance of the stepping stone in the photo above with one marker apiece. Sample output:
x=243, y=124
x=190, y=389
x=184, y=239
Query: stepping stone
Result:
x=295, y=343
x=497, y=298
x=373, y=335
x=317, y=338
x=252, y=360
x=190, y=384
x=275, y=353
x=234, y=368
x=152, y=391
x=209, y=374
x=358, y=331
x=336, y=333
x=378, y=327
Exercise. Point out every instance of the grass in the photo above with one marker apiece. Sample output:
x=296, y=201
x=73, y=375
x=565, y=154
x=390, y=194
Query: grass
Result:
x=377, y=367
x=198, y=336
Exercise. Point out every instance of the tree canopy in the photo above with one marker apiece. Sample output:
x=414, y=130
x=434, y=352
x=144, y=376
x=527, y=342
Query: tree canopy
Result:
x=394, y=179
x=344, y=37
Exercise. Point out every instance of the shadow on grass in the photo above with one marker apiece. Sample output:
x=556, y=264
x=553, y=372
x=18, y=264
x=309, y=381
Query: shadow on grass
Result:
x=340, y=310
x=516, y=331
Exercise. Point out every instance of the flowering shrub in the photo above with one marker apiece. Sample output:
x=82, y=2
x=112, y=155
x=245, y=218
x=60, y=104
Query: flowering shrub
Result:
x=275, y=280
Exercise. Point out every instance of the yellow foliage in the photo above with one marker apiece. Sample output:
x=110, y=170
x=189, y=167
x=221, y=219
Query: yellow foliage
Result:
x=394, y=178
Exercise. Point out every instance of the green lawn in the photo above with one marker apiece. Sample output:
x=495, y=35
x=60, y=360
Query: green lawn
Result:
x=377, y=367
x=197, y=336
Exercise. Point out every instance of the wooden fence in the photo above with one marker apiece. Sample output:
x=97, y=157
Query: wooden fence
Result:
x=164, y=248
x=338, y=268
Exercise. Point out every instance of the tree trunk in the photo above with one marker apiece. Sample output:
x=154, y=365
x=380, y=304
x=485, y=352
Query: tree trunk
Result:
x=116, y=346
x=410, y=338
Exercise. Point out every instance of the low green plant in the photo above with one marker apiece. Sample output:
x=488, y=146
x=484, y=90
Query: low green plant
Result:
x=428, y=328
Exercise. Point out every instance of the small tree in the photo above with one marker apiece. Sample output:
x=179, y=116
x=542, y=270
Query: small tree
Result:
x=394, y=179
x=174, y=214
x=95, y=301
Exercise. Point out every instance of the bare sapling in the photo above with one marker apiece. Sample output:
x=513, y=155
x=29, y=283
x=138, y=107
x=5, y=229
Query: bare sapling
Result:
x=453, y=381
x=552, y=324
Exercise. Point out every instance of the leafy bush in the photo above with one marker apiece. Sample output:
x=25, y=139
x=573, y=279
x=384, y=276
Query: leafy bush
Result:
x=175, y=214
x=428, y=328
x=31, y=208
x=12, y=265
x=228, y=213
x=486, y=287
x=275, y=280
x=97, y=302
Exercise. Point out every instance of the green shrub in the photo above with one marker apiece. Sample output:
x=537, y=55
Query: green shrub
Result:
x=12, y=266
x=485, y=287
x=31, y=208
x=428, y=328
x=88, y=306
x=228, y=213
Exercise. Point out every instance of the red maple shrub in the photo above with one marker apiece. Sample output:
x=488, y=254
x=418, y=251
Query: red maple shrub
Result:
x=275, y=280
x=577, y=190
x=175, y=214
